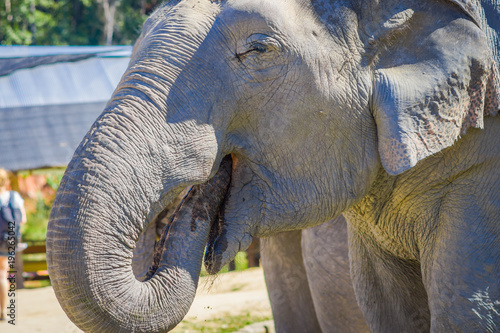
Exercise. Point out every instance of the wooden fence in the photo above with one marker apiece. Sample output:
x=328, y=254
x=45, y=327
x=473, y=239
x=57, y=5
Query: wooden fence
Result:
x=33, y=262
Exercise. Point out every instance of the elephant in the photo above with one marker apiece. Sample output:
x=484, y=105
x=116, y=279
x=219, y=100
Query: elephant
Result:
x=382, y=111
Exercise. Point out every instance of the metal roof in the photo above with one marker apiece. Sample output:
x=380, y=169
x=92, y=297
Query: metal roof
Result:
x=49, y=98
x=34, y=137
x=18, y=57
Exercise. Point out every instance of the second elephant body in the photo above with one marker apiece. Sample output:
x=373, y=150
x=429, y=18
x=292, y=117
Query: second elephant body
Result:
x=308, y=280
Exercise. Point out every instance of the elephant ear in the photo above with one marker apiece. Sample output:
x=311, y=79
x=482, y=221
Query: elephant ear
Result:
x=434, y=77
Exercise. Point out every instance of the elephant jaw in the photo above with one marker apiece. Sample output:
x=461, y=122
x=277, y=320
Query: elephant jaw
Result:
x=204, y=203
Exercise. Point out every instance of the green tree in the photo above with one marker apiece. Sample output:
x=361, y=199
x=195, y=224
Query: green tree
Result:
x=67, y=22
x=16, y=21
x=72, y=22
x=131, y=15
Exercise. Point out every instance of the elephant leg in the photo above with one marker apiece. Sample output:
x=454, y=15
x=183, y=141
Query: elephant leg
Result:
x=286, y=280
x=325, y=251
x=389, y=290
x=458, y=271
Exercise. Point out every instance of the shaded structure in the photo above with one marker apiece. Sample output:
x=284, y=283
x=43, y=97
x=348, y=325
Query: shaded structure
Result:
x=49, y=98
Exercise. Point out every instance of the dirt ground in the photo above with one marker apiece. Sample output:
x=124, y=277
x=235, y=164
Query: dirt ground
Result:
x=231, y=294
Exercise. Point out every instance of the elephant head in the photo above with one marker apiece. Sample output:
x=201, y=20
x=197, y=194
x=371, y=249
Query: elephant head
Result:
x=310, y=98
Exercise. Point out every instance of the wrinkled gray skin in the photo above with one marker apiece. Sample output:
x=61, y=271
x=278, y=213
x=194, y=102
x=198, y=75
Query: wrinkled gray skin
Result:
x=306, y=272
x=382, y=110
x=307, y=276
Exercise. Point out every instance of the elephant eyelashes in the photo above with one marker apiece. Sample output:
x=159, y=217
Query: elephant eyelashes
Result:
x=256, y=47
x=239, y=56
x=259, y=44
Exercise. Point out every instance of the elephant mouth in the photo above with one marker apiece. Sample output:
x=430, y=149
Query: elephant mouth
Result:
x=206, y=204
x=213, y=257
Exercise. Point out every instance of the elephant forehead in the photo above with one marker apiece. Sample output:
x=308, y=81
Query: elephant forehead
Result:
x=191, y=17
x=269, y=8
x=292, y=18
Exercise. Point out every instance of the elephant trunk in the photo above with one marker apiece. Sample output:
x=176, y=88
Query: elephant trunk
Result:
x=111, y=191
x=90, y=267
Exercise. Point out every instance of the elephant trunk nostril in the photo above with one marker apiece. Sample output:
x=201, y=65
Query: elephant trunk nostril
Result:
x=203, y=204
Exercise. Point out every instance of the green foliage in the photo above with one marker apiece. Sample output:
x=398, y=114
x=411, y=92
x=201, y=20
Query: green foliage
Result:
x=38, y=211
x=54, y=180
x=16, y=20
x=241, y=261
x=35, y=228
x=130, y=16
x=70, y=22
x=240, y=264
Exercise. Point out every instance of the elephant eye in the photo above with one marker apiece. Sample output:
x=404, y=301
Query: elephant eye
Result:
x=258, y=44
x=258, y=47
x=254, y=48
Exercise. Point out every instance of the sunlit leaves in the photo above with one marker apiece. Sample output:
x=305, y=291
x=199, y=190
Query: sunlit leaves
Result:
x=70, y=22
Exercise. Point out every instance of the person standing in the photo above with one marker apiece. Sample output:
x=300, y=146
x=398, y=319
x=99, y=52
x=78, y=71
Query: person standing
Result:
x=11, y=208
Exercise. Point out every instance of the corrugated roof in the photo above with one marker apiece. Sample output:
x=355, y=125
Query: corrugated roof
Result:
x=10, y=52
x=44, y=136
x=85, y=81
x=47, y=106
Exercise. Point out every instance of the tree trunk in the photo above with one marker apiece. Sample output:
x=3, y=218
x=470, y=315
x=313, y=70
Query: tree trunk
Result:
x=109, y=7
